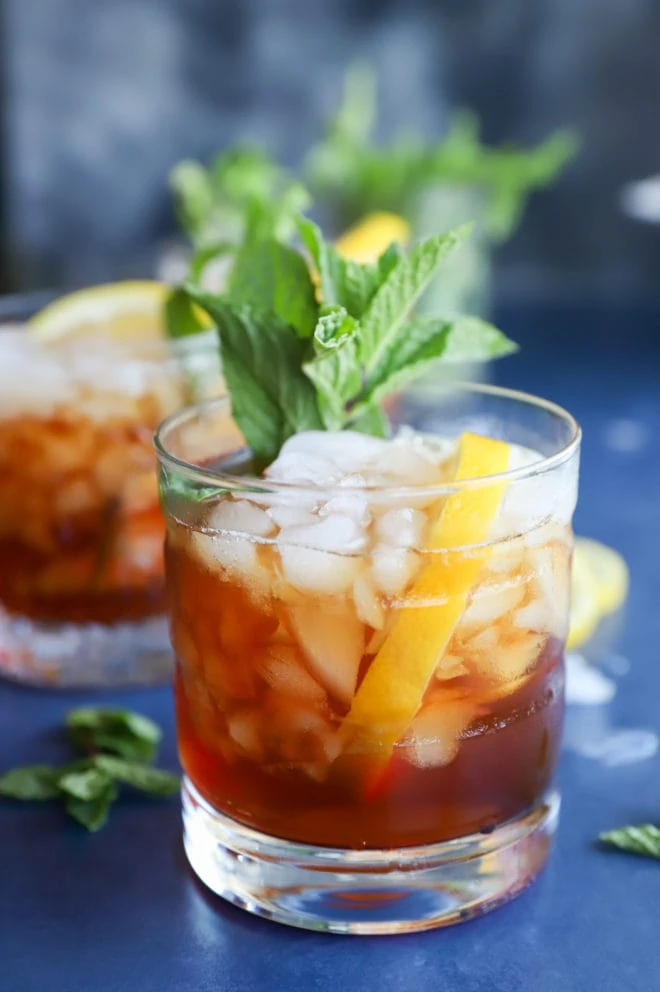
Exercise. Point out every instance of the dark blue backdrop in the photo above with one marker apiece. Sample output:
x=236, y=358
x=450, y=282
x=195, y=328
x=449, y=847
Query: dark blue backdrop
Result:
x=104, y=95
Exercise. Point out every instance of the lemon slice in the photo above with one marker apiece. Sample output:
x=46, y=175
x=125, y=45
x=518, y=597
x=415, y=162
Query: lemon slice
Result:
x=394, y=686
x=368, y=239
x=125, y=310
x=599, y=585
x=585, y=613
x=609, y=570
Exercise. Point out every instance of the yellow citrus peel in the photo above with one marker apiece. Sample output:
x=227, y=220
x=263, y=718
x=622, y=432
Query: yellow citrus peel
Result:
x=393, y=688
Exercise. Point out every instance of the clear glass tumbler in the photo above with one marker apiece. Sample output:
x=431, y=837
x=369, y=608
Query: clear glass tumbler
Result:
x=369, y=739
x=82, y=597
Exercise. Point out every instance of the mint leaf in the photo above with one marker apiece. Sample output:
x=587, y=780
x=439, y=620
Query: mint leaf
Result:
x=423, y=341
x=86, y=784
x=92, y=813
x=397, y=295
x=207, y=254
x=172, y=483
x=370, y=419
x=262, y=361
x=122, y=732
x=31, y=782
x=333, y=328
x=643, y=840
x=344, y=282
x=335, y=369
x=181, y=320
x=193, y=196
x=269, y=276
x=153, y=781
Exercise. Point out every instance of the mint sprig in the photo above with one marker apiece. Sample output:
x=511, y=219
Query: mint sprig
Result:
x=643, y=840
x=357, y=176
x=118, y=746
x=298, y=356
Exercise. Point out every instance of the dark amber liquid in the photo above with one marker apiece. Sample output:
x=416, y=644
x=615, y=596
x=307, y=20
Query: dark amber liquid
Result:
x=504, y=762
x=81, y=530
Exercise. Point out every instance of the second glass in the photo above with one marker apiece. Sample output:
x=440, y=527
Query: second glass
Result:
x=81, y=532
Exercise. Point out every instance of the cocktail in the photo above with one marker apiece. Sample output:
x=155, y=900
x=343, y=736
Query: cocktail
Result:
x=368, y=635
x=81, y=532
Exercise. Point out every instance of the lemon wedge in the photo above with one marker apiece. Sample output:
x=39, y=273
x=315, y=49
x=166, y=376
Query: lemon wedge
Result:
x=125, y=310
x=394, y=686
x=609, y=570
x=599, y=585
x=369, y=238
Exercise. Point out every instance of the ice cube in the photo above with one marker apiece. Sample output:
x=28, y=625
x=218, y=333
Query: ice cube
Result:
x=349, y=450
x=402, y=464
x=306, y=469
x=534, y=615
x=333, y=644
x=317, y=572
x=550, y=566
x=284, y=672
x=434, y=736
x=338, y=533
x=288, y=515
x=349, y=505
x=240, y=516
x=234, y=556
x=367, y=603
x=393, y=569
x=489, y=605
x=450, y=666
x=244, y=730
x=402, y=528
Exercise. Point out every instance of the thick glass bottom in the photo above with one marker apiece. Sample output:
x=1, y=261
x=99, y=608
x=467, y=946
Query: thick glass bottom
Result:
x=365, y=892
x=87, y=655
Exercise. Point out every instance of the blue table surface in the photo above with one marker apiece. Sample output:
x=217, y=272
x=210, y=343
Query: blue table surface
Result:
x=120, y=911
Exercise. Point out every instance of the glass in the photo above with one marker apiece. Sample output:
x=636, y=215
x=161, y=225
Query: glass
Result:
x=304, y=806
x=81, y=532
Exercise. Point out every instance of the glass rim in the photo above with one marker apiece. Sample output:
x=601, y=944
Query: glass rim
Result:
x=154, y=351
x=220, y=479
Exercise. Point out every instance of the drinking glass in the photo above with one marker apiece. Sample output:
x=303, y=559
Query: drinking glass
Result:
x=369, y=739
x=81, y=532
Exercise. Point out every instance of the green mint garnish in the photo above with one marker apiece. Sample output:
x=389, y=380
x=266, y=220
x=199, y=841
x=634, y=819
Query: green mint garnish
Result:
x=119, y=746
x=348, y=169
x=643, y=840
x=298, y=356
x=242, y=191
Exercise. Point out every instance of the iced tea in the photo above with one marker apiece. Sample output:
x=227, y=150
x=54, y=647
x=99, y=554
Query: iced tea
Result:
x=81, y=531
x=343, y=681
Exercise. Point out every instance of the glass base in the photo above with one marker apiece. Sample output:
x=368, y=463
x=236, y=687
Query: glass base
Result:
x=89, y=655
x=365, y=892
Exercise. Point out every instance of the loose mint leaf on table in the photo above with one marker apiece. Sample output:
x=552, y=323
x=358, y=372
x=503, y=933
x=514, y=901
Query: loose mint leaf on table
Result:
x=153, y=781
x=93, y=813
x=262, y=359
x=643, y=840
x=87, y=784
x=122, y=732
x=32, y=782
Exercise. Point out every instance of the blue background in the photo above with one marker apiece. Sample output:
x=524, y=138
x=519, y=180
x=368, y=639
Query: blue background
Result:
x=101, y=97
x=120, y=911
